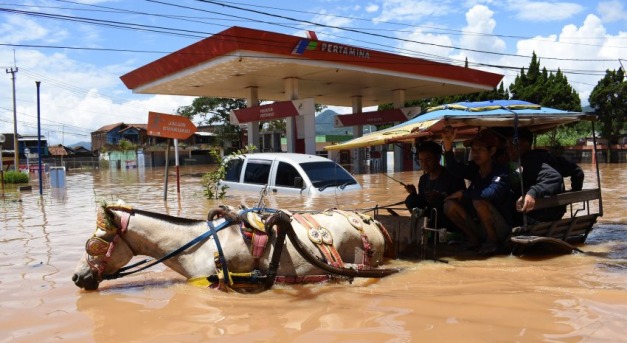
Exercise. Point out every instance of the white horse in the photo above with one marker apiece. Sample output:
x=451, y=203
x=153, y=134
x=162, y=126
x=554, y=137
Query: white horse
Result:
x=228, y=249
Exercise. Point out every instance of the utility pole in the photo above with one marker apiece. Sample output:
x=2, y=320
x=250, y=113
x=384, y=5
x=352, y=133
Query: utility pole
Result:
x=39, y=170
x=16, y=150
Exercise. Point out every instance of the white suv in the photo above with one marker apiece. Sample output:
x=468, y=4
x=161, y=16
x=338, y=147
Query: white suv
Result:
x=287, y=173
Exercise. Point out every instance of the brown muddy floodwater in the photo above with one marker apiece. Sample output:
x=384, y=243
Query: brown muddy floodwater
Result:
x=571, y=298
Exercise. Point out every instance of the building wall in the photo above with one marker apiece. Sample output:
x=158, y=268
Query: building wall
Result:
x=98, y=140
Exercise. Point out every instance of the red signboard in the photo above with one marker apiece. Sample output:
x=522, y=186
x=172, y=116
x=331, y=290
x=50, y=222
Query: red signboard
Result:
x=376, y=117
x=276, y=110
x=170, y=126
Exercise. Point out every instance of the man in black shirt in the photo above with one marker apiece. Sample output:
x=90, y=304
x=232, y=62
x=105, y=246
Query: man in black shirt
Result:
x=434, y=185
x=542, y=176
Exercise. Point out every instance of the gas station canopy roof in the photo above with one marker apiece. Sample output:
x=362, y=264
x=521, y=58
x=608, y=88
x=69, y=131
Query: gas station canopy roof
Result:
x=231, y=62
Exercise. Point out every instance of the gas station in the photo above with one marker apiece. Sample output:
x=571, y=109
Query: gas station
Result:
x=294, y=73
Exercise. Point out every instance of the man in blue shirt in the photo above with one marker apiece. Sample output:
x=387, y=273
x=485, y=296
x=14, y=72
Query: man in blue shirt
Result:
x=484, y=211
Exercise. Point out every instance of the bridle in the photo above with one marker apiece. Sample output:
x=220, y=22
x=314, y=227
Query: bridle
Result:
x=99, y=250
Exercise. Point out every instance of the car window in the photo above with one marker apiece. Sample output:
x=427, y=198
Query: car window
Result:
x=233, y=169
x=285, y=175
x=327, y=174
x=257, y=171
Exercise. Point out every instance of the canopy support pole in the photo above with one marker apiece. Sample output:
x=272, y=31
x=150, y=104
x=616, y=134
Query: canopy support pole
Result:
x=399, y=102
x=253, y=127
x=357, y=154
x=596, y=166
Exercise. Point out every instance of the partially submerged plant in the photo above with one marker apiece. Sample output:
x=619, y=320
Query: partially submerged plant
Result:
x=212, y=188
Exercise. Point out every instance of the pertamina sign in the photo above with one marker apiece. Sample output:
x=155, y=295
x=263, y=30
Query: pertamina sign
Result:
x=170, y=126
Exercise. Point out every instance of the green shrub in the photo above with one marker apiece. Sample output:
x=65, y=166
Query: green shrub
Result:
x=212, y=189
x=15, y=177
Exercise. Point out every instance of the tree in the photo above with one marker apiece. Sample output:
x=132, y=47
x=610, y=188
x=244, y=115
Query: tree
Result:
x=544, y=88
x=609, y=100
x=216, y=111
x=550, y=90
x=212, y=187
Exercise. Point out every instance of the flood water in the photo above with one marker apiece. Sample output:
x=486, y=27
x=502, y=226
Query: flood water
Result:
x=569, y=298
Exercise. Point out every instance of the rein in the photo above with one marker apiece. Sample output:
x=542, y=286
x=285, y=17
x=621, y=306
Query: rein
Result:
x=123, y=271
x=99, y=268
x=97, y=247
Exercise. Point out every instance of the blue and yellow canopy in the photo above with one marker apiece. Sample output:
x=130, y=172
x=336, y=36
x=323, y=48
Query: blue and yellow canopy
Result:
x=467, y=118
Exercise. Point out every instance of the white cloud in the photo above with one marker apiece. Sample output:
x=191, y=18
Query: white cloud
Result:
x=331, y=20
x=477, y=32
x=372, y=8
x=16, y=30
x=588, y=41
x=472, y=3
x=76, y=98
x=411, y=10
x=437, y=44
x=611, y=11
x=539, y=11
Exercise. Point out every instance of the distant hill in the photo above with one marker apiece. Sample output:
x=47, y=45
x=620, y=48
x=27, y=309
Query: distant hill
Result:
x=86, y=145
x=587, y=109
x=325, y=125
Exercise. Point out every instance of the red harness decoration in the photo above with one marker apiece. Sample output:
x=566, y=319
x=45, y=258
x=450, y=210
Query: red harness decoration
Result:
x=253, y=228
x=321, y=237
x=99, y=251
x=367, y=246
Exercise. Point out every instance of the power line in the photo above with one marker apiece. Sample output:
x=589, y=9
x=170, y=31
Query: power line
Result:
x=109, y=23
x=170, y=30
x=187, y=33
x=435, y=28
x=385, y=36
x=30, y=124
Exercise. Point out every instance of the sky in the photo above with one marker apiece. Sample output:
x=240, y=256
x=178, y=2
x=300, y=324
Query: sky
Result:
x=78, y=49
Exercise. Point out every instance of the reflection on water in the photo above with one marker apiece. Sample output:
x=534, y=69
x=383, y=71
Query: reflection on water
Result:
x=563, y=298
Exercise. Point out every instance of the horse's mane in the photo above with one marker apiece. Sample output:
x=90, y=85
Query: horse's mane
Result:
x=168, y=218
x=164, y=217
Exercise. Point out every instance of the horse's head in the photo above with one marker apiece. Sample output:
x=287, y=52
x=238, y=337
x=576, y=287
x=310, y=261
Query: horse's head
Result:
x=105, y=252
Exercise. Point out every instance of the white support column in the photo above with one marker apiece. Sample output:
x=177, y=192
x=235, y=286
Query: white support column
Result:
x=291, y=93
x=357, y=155
x=253, y=127
x=306, y=122
x=399, y=102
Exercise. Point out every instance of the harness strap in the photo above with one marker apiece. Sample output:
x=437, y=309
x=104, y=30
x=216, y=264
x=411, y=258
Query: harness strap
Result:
x=125, y=219
x=365, y=242
x=259, y=242
x=389, y=245
x=258, y=245
x=328, y=242
x=314, y=236
x=294, y=279
x=220, y=261
x=123, y=271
